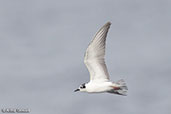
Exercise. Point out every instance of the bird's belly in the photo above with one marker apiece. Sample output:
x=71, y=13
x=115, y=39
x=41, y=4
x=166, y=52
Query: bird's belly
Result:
x=98, y=89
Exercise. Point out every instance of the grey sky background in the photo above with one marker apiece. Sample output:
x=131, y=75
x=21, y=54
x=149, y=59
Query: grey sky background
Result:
x=42, y=45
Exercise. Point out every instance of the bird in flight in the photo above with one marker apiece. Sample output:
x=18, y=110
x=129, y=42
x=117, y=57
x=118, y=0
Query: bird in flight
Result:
x=95, y=63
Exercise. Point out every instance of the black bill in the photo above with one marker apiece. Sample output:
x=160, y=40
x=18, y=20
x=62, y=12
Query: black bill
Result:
x=76, y=90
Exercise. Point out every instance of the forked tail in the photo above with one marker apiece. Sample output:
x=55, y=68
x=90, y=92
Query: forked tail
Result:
x=120, y=88
x=123, y=88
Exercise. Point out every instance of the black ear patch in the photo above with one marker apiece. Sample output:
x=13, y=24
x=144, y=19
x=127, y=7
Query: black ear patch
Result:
x=83, y=86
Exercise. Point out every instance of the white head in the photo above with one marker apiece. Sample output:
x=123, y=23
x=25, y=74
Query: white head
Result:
x=82, y=87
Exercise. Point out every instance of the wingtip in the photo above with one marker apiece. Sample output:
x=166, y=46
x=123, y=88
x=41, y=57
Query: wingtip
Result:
x=108, y=24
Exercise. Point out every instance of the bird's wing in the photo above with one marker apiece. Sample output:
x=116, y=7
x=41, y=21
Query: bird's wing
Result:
x=94, y=55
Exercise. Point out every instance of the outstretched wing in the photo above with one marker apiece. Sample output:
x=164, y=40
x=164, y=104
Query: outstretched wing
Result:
x=94, y=55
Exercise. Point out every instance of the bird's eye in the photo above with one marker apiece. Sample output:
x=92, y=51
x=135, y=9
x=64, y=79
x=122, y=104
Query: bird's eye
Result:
x=82, y=86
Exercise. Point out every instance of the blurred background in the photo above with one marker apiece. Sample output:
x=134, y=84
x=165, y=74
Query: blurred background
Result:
x=42, y=45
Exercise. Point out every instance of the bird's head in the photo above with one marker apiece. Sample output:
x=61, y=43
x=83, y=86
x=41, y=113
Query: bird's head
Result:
x=82, y=87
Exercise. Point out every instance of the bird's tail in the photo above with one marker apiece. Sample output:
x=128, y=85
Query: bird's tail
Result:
x=119, y=88
x=122, y=87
